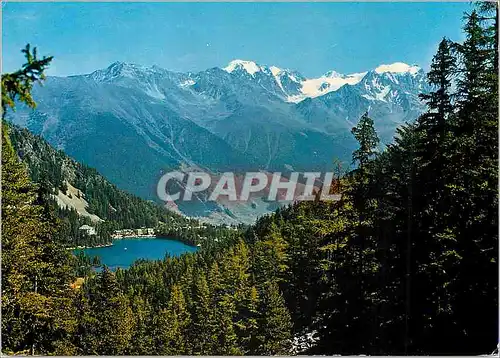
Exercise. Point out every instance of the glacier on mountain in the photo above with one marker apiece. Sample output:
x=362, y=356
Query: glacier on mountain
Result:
x=329, y=82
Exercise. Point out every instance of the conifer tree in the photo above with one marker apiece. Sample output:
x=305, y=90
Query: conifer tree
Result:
x=365, y=134
x=17, y=86
x=37, y=308
x=248, y=326
x=270, y=256
x=430, y=241
x=227, y=339
x=435, y=121
x=475, y=156
x=173, y=323
x=106, y=322
x=204, y=328
x=142, y=341
x=361, y=236
x=275, y=324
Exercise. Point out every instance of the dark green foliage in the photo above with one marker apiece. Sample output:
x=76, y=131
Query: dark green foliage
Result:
x=275, y=324
x=17, y=86
x=83, y=264
x=408, y=260
x=105, y=320
x=37, y=310
x=367, y=138
x=203, y=303
x=37, y=304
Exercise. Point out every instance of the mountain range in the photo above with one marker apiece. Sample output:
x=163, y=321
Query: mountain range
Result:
x=133, y=123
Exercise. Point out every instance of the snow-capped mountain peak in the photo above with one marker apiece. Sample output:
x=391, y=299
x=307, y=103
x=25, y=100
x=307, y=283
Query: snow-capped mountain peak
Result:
x=398, y=67
x=288, y=85
x=275, y=70
x=249, y=66
x=293, y=87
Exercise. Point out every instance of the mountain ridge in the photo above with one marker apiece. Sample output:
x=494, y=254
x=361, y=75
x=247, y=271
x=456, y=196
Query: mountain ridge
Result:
x=301, y=88
x=133, y=123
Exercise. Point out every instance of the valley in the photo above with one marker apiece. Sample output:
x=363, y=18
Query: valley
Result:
x=239, y=118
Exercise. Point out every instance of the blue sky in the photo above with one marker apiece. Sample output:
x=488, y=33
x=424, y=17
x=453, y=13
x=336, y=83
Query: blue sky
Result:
x=311, y=38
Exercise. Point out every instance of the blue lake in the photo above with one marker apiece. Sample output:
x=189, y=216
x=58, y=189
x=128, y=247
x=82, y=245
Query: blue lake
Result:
x=125, y=251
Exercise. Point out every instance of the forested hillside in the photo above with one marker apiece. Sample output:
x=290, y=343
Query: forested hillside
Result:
x=54, y=168
x=405, y=263
x=54, y=171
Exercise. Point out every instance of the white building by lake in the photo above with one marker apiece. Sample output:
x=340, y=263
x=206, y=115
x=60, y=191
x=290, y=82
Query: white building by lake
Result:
x=87, y=229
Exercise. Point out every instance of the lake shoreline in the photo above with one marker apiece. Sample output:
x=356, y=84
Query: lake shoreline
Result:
x=130, y=237
x=118, y=237
x=89, y=247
